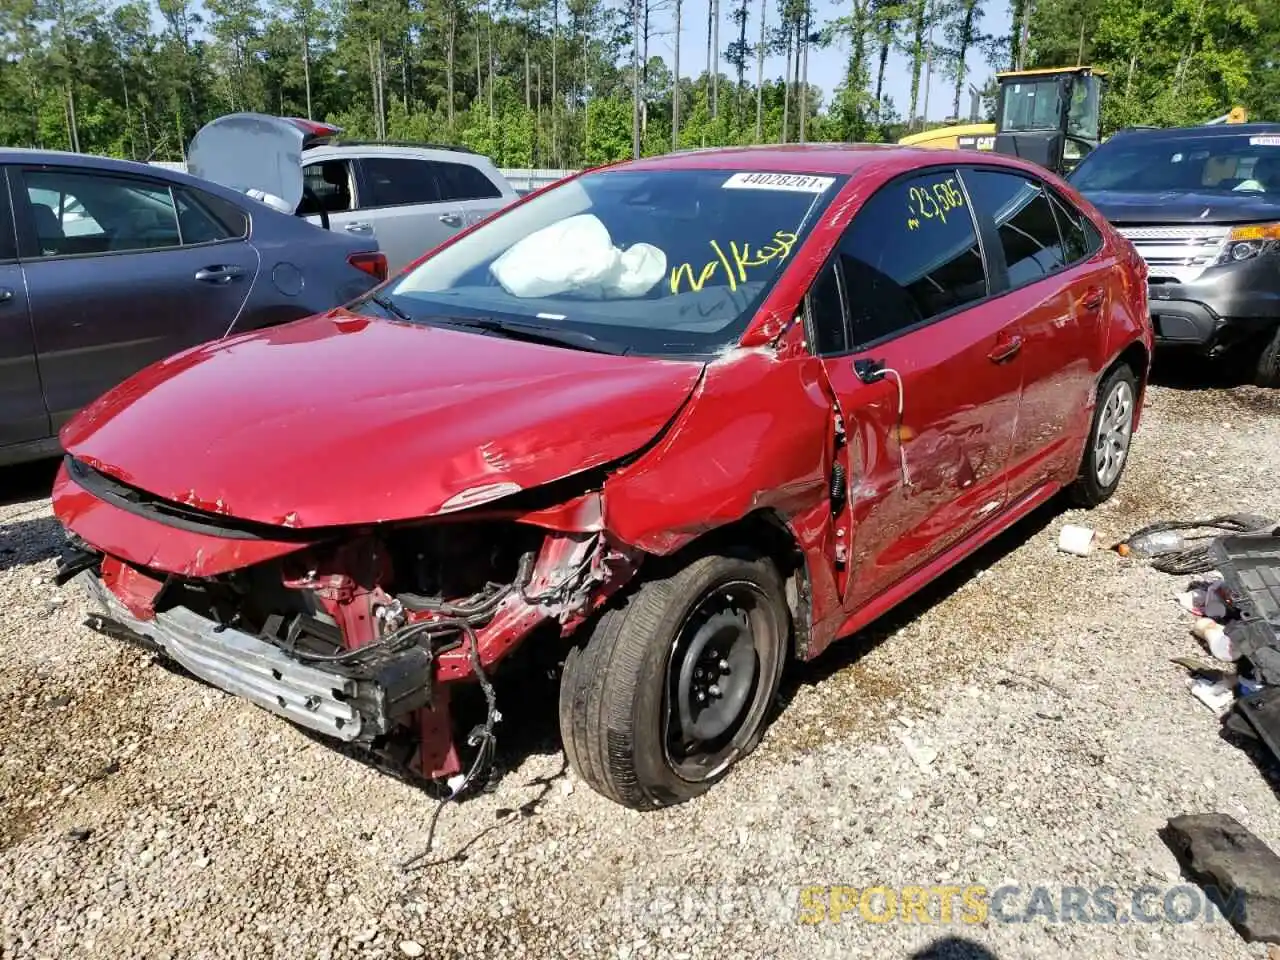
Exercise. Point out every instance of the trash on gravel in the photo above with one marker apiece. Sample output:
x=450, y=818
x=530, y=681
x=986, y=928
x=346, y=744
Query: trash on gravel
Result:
x=1218, y=852
x=1217, y=695
x=1216, y=639
x=1076, y=540
x=1185, y=552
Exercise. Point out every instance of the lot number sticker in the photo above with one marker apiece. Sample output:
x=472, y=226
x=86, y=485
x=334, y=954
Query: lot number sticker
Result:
x=1268, y=140
x=794, y=182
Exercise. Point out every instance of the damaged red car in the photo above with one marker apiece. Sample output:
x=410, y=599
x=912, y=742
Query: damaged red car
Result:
x=678, y=422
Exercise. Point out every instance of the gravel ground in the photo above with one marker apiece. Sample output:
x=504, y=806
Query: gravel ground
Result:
x=145, y=815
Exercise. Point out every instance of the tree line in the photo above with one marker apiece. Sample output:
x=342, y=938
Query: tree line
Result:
x=567, y=83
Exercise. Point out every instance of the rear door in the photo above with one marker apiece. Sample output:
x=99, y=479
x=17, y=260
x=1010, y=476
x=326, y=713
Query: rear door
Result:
x=1035, y=267
x=22, y=411
x=403, y=198
x=113, y=282
x=927, y=443
x=474, y=189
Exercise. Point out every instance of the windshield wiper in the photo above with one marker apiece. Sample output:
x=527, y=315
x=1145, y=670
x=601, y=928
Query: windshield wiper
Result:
x=537, y=333
x=386, y=304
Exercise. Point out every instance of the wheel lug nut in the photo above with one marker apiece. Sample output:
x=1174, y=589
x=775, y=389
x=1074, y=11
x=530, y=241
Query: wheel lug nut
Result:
x=698, y=673
x=700, y=696
x=724, y=666
x=714, y=690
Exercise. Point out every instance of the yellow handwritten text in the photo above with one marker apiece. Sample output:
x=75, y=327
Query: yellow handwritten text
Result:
x=932, y=202
x=734, y=262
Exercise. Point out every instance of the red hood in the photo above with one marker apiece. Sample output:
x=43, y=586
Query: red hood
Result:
x=340, y=419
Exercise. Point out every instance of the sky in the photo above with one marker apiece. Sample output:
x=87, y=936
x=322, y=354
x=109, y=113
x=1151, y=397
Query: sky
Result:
x=826, y=67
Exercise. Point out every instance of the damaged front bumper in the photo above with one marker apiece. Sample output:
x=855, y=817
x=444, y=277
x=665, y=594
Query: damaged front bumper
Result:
x=353, y=706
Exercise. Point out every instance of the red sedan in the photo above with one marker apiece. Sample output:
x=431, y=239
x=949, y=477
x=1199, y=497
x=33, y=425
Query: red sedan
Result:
x=675, y=423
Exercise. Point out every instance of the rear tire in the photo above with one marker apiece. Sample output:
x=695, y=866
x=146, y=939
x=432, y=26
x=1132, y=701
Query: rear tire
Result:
x=1107, y=450
x=1267, y=372
x=677, y=682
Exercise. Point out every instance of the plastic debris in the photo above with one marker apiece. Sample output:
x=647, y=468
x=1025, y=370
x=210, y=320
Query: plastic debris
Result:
x=1155, y=543
x=1216, y=639
x=1217, y=695
x=1076, y=540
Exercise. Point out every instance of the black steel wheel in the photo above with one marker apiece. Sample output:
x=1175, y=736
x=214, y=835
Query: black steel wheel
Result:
x=676, y=683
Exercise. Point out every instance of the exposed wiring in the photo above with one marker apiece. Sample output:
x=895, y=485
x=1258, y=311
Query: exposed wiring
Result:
x=482, y=738
x=902, y=447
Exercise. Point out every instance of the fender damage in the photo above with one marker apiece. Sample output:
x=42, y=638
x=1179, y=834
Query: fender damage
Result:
x=361, y=630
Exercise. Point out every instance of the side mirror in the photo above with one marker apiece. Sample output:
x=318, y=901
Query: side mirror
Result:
x=868, y=371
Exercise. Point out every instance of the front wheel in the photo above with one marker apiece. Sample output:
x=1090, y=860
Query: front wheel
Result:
x=1267, y=371
x=675, y=684
x=1107, y=450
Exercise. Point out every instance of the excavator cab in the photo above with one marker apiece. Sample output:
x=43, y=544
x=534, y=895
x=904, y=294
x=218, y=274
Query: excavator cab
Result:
x=1050, y=117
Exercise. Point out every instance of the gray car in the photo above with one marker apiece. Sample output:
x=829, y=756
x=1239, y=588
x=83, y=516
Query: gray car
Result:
x=108, y=265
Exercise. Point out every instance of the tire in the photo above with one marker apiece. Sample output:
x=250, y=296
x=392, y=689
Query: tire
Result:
x=1112, y=423
x=1267, y=371
x=620, y=696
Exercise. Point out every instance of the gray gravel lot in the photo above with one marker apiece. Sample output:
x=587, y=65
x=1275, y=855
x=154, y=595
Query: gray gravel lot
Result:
x=145, y=815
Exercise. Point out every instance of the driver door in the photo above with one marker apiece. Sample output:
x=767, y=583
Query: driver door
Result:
x=926, y=441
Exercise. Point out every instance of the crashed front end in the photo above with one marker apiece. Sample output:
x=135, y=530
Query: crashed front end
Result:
x=358, y=633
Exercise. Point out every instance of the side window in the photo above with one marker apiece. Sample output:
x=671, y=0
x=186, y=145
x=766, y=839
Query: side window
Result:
x=86, y=213
x=207, y=219
x=826, y=315
x=911, y=253
x=326, y=185
x=459, y=181
x=1080, y=238
x=395, y=181
x=1024, y=220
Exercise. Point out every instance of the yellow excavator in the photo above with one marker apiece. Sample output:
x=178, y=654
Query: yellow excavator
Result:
x=1048, y=116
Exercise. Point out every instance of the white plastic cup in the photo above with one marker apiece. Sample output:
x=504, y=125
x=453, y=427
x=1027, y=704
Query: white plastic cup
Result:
x=1075, y=540
x=1216, y=639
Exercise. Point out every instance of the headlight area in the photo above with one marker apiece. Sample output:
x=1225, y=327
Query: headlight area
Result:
x=1249, y=241
x=365, y=638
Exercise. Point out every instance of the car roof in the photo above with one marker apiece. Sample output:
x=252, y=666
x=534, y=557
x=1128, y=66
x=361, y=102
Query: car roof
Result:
x=828, y=158
x=26, y=155
x=1197, y=132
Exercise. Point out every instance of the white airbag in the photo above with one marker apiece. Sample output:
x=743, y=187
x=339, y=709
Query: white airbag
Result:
x=577, y=255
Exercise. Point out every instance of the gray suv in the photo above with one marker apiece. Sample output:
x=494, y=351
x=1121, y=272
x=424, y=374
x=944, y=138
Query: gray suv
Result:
x=410, y=197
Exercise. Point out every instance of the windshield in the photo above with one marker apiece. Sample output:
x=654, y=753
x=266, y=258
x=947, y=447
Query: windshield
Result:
x=658, y=262
x=1239, y=163
x=1031, y=106
x=1082, y=119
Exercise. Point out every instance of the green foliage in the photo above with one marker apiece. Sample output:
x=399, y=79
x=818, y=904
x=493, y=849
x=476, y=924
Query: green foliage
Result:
x=548, y=82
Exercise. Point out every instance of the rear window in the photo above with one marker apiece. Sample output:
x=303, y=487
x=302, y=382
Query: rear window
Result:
x=1246, y=162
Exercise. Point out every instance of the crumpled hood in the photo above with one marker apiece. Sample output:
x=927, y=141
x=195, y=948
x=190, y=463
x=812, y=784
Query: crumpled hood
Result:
x=340, y=419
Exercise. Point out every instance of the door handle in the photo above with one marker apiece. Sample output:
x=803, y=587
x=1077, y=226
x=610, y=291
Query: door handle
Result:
x=1008, y=349
x=1093, y=298
x=359, y=228
x=451, y=219
x=5, y=294
x=224, y=274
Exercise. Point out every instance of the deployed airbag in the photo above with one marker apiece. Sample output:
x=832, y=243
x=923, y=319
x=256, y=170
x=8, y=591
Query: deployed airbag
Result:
x=577, y=256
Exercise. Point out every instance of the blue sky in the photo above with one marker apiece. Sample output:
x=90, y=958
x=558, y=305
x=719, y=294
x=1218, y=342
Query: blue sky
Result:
x=826, y=67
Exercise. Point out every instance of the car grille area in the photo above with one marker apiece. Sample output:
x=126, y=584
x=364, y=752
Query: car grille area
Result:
x=1177, y=254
